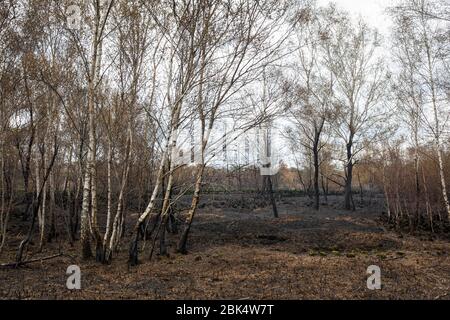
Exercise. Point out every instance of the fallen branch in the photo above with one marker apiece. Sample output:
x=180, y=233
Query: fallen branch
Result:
x=16, y=265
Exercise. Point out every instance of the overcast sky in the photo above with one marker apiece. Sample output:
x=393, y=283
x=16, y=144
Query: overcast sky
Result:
x=373, y=11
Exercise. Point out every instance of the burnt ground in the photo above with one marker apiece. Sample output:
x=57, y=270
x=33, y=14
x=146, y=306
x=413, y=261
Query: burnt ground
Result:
x=247, y=254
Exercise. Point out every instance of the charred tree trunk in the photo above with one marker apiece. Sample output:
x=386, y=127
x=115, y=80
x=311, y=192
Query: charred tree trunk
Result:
x=316, y=176
x=271, y=196
x=325, y=188
x=348, y=201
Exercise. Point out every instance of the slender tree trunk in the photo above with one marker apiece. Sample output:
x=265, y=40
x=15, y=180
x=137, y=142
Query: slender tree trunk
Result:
x=417, y=180
x=272, y=198
x=385, y=190
x=134, y=246
x=43, y=210
x=325, y=188
x=316, y=176
x=443, y=182
x=182, y=243
x=109, y=205
x=427, y=202
x=52, y=234
x=165, y=210
x=348, y=204
x=116, y=230
x=86, y=250
x=310, y=180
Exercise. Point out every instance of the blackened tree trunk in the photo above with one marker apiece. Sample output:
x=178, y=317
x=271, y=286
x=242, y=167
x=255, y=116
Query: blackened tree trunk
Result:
x=348, y=202
x=325, y=189
x=316, y=177
x=272, y=198
x=318, y=128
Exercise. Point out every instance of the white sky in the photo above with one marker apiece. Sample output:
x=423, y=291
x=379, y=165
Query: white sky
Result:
x=373, y=11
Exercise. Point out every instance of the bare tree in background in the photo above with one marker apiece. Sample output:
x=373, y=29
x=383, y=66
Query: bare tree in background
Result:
x=312, y=90
x=360, y=83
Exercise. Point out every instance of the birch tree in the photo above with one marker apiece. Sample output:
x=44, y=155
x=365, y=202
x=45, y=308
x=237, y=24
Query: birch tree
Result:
x=89, y=223
x=352, y=56
x=247, y=43
x=178, y=22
